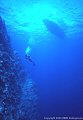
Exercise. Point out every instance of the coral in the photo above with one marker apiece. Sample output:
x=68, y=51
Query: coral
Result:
x=18, y=96
x=10, y=68
x=29, y=108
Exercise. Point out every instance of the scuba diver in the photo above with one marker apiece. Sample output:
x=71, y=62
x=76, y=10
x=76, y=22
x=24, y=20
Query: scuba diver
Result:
x=28, y=57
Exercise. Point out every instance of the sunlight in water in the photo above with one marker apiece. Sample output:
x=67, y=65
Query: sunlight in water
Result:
x=23, y=17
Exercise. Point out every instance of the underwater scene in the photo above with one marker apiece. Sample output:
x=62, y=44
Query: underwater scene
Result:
x=41, y=59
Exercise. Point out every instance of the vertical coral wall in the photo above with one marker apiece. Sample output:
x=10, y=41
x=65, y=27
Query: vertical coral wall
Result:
x=18, y=96
x=9, y=78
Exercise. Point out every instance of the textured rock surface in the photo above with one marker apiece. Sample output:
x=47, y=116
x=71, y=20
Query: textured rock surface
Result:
x=29, y=108
x=10, y=69
x=17, y=100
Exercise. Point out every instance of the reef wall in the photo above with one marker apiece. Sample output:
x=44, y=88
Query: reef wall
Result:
x=18, y=99
x=10, y=71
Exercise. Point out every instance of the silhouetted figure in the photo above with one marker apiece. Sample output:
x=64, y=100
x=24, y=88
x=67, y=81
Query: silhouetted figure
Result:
x=54, y=28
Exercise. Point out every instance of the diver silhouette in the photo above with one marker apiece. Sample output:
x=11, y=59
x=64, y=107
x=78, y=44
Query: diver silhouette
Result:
x=28, y=58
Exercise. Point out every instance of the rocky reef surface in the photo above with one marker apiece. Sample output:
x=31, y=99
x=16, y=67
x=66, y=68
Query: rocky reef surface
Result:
x=18, y=96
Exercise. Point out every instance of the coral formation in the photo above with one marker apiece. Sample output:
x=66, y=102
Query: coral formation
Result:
x=14, y=92
x=30, y=97
x=10, y=90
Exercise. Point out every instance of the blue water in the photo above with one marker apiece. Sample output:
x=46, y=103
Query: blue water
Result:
x=53, y=29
